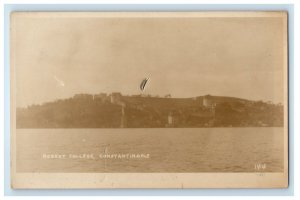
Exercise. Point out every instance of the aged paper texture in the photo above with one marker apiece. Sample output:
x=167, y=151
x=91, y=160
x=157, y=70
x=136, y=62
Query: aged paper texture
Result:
x=149, y=100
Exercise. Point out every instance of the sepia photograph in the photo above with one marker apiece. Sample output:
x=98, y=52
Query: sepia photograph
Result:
x=169, y=99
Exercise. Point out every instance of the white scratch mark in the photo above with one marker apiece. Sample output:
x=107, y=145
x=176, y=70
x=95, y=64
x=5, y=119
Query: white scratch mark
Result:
x=105, y=152
x=60, y=82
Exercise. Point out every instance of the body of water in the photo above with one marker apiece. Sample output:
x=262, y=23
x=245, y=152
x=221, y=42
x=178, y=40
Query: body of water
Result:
x=150, y=150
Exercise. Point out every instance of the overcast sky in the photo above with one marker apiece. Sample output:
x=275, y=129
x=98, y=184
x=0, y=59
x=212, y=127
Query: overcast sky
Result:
x=58, y=57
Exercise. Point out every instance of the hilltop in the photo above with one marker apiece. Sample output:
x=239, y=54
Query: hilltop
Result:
x=137, y=111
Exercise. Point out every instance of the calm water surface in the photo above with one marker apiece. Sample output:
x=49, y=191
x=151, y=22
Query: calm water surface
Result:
x=160, y=150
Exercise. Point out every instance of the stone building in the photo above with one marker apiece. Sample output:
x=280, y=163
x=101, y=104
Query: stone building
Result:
x=101, y=97
x=115, y=97
x=208, y=101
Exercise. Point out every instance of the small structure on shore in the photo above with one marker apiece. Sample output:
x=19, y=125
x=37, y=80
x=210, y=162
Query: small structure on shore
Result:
x=123, y=116
x=170, y=119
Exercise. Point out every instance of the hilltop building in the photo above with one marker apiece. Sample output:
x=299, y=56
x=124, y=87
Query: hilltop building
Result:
x=101, y=97
x=115, y=97
x=208, y=101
